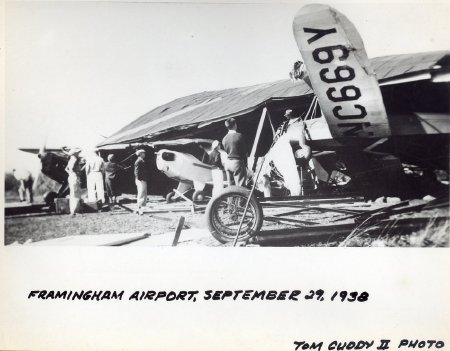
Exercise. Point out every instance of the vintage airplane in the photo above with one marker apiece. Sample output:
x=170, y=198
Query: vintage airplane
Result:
x=195, y=178
x=355, y=124
x=193, y=172
x=54, y=162
x=372, y=127
x=372, y=131
x=53, y=165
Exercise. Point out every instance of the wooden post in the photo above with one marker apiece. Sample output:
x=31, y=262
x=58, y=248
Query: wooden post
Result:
x=252, y=162
x=178, y=231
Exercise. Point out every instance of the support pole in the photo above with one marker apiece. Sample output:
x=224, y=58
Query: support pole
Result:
x=255, y=181
x=257, y=137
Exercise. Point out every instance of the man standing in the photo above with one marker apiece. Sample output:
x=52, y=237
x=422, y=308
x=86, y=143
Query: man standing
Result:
x=288, y=151
x=236, y=149
x=94, y=177
x=111, y=179
x=74, y=170
x=140, y=174
x=212, y=157
x=26, y=184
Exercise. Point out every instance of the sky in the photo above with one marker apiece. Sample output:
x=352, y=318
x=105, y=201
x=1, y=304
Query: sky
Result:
x=78, y=71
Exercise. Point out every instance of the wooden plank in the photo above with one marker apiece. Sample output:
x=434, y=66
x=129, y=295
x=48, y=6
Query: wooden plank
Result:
x=32, y=215
x=378, y=211
x=350, y=197
x=127, y=241
x=322, y=209
x=291, y=212
x=286, y=203
x=178, y=231
x=298, y=236
x=25, y=209
x=275, y=219
x=125, y=207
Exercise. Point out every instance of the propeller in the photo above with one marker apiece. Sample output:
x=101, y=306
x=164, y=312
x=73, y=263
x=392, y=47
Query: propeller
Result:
x=43, y=148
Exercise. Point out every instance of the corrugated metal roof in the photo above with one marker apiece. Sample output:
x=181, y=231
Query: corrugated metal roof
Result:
x=216, y=105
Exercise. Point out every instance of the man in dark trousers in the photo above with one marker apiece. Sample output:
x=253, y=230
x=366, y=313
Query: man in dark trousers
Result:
x=236, y=149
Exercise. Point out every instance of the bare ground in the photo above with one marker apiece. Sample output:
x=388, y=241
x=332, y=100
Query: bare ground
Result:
x=33, y=228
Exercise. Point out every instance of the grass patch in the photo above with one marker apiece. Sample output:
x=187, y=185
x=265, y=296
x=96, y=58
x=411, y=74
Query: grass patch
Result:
x=432, y=235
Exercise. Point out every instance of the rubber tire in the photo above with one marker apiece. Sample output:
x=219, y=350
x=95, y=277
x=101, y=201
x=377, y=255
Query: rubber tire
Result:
x=228, y=237
x=49, y=198
x=198, y=195
x=169, y=197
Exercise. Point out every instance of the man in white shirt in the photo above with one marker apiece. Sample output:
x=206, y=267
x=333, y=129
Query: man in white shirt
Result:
x=26, y=184
x=288, y=149
x=94, y=174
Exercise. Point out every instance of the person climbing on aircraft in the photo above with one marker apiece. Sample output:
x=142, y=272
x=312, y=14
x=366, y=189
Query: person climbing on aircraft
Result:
x=236, y=149
x=288, y=150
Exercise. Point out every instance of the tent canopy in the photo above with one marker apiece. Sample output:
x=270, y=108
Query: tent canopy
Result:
x=204, y=108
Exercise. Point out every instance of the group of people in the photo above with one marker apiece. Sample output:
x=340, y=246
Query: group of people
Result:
x=99, y=172
x=235, y=147
x=25, y=180
x=98, y=175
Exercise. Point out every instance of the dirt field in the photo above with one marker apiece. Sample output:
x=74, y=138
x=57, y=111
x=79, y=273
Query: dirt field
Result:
x=31, y=228
x=37, y=227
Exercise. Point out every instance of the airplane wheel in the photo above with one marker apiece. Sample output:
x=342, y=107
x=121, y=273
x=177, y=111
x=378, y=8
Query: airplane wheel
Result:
x=170, y=196
x=224, y=213
x=198, y=195
x=49, y=198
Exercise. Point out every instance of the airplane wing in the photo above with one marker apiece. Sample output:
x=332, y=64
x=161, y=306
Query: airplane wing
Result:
x=35, y=151
x=183, y=141
x=340, y=72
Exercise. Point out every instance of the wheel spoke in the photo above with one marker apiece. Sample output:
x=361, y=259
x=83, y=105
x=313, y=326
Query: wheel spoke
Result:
x=225, y=213
x=229, y=213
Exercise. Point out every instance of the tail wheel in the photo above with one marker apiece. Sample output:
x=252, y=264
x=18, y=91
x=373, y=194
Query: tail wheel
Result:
x=224, y=213
x=170, y=196
x=198, y=195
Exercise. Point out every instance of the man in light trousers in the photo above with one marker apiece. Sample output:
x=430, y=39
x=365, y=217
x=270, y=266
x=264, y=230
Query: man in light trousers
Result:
x=94, y=177
x=140, y=174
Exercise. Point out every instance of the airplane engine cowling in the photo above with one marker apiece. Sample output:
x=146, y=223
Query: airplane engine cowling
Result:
x=183, y=166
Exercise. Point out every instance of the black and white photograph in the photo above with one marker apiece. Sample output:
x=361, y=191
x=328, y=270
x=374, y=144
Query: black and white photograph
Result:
x=210, y=137
x=194, y=124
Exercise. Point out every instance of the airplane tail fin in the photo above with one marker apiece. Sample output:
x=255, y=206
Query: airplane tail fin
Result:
x=340, y=73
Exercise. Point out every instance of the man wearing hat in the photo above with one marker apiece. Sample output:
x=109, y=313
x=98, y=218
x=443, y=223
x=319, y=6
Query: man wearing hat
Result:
x=290, y=119
x=140, y=174
x=74, y=170
x=289, y=150
x=111, y=179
